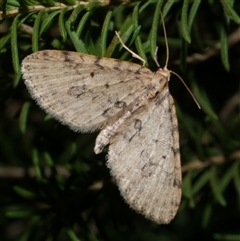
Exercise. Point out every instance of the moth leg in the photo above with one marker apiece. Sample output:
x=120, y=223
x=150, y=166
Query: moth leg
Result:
x=129, y=50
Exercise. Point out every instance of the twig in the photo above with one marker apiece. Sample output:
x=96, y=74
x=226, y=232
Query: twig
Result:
x=195, y=58
x=20, y=172
x=216, y=160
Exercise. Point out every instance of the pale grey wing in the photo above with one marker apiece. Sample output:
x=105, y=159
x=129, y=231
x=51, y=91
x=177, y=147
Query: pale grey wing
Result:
x=144, y=159
x=82, y=91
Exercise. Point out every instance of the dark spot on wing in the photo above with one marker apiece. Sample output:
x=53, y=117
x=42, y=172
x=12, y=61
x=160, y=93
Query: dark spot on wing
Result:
x=161, y=97
x=100, y=66
x=138, y=71
x=129, y=70
x=174, y=203
x=164, y=157
x=120, y=104
x=66, y=56
x=175, y=150
x=138, y=124
x=45, y=53
x=177, y=183
x=149, y=168
x=81, y=57
x=97, y=60
x=107, y=85
x=92, y=74
x=77, y=70
x=76, y=91
x=130, y=139
x=107, y=113
x=94, y=97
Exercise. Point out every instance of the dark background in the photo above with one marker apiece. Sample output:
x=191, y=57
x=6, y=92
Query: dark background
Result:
x=53, y=186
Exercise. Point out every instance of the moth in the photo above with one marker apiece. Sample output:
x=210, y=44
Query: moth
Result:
x=134, y=111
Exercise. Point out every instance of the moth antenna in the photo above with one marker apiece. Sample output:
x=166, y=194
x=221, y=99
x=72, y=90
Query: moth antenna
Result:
x=190, y=92
x=166, y=42
x=167, y=59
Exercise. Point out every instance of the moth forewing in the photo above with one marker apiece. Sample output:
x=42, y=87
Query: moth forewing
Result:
x=66, y=84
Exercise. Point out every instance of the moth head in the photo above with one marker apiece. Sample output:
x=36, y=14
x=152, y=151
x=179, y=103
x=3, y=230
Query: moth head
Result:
x=165, y=72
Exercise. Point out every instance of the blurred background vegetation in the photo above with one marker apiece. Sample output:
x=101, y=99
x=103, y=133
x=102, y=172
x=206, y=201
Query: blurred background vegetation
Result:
x=53, y=186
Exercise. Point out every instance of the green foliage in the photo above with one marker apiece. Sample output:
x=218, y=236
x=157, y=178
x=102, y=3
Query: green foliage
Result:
x=54, y=187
